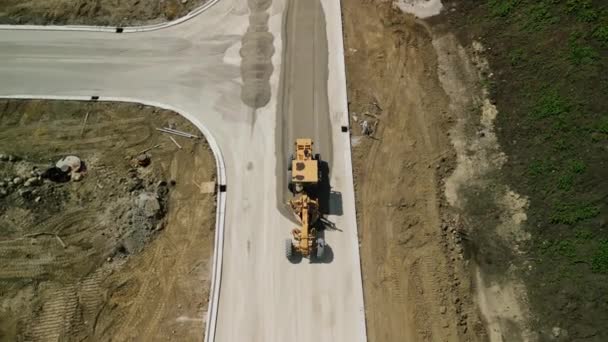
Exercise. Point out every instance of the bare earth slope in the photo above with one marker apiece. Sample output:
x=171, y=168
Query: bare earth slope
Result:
x=414, y=280
x=93, y=12
x=81, y=261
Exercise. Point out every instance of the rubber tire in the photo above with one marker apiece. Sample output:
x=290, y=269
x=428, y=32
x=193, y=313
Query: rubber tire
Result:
x=289, y=162
x=320, y=249
x=288, y=249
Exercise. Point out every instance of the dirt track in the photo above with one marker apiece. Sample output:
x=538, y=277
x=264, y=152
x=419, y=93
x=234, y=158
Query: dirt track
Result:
x=418, y=282
x=112, y=280
x=93, y=12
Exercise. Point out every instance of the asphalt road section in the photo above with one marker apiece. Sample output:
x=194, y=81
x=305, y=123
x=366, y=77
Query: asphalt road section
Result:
x=195, y=67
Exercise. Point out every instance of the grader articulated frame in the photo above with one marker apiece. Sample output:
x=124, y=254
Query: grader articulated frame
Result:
x=304, y=177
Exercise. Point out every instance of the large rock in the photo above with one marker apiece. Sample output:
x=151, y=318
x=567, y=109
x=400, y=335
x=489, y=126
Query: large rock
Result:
x=69, y=163
x=149, y=204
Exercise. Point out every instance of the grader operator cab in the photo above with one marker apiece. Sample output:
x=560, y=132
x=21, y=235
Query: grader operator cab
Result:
x=304, y=176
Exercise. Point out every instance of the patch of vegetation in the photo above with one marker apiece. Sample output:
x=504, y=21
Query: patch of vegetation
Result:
x=583, y=10
x=599, y=264
x=549, y=104
x=517, y=57
x=551, y=57
x=502, y=8
x=582, y=54
x=601, y=34
x=573, y=212
x=539, y=15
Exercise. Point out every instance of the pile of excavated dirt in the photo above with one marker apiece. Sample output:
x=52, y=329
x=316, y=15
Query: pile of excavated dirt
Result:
x=106, y=225
x=94, y=12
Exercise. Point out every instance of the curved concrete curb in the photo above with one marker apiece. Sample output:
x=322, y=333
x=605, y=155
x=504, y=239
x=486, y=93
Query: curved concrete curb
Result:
x=218, y=251
x=114, y=29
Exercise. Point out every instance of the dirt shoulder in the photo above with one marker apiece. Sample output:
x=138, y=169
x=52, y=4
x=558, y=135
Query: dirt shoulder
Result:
x=417, y=284
x=115, y=251
x=94, y=12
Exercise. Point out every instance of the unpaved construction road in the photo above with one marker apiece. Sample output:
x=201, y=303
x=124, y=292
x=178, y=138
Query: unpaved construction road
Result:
x=201, y=68
x=102, y=271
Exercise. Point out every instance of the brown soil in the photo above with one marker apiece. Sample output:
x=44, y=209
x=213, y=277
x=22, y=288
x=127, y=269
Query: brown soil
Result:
x=93, y=12
x=106, y=267
x=417, y=176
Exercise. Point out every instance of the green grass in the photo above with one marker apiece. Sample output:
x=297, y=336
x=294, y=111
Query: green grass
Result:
x=517, y=57
x=583, y=10
x=581, y=53
x=551, y=57
x=601, y=34
x=599, y=263
x=602, y=125
x=539, y=16
x=540, y=167
x=550, y=104
x=502, y=8
x=573, y=212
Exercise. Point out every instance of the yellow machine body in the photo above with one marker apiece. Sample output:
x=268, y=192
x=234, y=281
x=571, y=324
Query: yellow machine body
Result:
x=304, y=176
x=304, y=168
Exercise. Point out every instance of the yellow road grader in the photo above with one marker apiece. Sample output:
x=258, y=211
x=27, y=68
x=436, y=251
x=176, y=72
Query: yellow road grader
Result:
x=304, y=176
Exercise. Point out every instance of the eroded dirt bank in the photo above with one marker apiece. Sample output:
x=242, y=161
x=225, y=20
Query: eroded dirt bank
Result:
x=121, y=252
x=432, y=217
x=93, y=12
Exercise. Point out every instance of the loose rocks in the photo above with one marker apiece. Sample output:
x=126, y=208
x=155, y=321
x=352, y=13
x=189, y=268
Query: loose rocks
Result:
x=143, y=160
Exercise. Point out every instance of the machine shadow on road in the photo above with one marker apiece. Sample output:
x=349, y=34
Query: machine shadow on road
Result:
x=330, y=202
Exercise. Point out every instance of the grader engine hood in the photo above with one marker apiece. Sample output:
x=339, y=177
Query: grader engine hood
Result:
x=304, y=171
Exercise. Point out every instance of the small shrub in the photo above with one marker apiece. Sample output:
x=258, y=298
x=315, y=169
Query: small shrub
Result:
x=582, y=54
x=565, y=182
x=539, y=16
x=599, y=263
x=582, y=9
x=573, y=213
x=501, y=8
x=549, y=104
x=601, y=34
x=577, y=166
x=584, y=235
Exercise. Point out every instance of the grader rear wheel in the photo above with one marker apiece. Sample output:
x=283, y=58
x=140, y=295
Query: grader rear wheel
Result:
x=288, y=249
x=320, y=248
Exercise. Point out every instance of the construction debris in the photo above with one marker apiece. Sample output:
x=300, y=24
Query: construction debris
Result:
x=149, y=148
x=175, y=142
x=176, y=132
x=86, y=117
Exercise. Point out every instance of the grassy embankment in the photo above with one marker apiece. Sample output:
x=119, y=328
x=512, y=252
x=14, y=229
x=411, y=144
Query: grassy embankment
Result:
x=550, y=84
